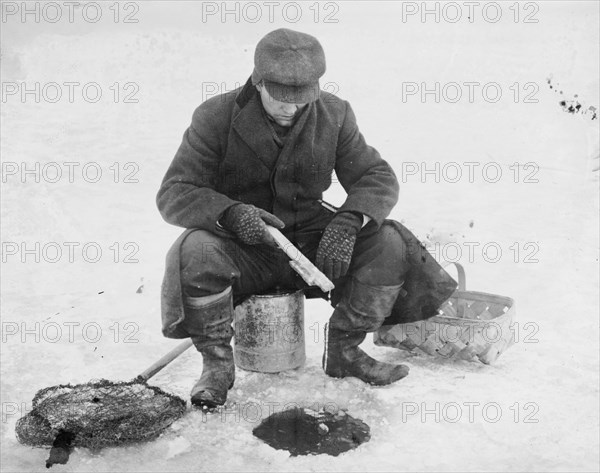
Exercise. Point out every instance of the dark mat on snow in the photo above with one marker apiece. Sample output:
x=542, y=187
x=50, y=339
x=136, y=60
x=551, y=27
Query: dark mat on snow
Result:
x=304, y=432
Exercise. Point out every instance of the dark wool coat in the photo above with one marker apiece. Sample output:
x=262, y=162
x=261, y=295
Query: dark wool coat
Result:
x=228, y=155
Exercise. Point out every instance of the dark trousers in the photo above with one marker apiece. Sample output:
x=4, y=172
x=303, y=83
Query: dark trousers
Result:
x=210, y=263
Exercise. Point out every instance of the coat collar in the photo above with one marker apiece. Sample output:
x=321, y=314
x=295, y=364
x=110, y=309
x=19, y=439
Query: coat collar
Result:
x=250, y=124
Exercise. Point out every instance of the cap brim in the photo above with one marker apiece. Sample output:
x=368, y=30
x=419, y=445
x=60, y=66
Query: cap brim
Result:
x=292, y=93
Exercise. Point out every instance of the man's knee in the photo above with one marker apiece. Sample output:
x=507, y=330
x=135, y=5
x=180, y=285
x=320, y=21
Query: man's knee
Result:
x=390, y=235
x=207, y=260
x=205, y=248
x=380, y=258
x=387, y=242
x=201, y=245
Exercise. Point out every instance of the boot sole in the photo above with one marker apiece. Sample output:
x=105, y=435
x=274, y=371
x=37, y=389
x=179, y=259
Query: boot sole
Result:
x=210, y=404
x=341, y=375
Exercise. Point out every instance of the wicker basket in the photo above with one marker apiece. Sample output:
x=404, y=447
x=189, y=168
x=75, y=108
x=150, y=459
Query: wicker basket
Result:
x=470, y=326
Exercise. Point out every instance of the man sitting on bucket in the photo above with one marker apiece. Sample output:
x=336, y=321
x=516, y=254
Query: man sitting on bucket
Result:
x=263, y=155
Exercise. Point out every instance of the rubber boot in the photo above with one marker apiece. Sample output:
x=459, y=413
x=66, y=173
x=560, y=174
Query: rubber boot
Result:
x=218, y=376
x=362, y=309
x=208, y=321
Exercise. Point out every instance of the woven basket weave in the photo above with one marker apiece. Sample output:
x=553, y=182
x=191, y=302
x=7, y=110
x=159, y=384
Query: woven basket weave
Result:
x=470, y=326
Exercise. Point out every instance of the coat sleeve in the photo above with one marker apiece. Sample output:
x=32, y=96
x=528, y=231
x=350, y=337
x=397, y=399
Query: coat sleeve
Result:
x=368, y=180
x=188, y=197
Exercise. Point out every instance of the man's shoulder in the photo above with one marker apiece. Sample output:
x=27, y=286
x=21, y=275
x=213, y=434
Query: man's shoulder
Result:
x=218, y=108
x=332, y=101
x=334, y=108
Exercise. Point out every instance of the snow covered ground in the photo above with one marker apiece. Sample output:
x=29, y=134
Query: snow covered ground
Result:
x=71, y=309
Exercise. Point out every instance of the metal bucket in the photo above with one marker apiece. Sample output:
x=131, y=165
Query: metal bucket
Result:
x=269, y=332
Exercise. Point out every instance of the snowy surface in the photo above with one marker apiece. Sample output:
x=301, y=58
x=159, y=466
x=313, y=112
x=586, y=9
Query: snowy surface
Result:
x=536, y=409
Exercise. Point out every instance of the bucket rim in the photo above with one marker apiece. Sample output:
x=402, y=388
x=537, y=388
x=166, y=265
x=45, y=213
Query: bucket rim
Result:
x=278, y=293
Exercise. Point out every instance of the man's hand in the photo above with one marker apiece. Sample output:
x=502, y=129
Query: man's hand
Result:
x=337, y=244
x=249, y=224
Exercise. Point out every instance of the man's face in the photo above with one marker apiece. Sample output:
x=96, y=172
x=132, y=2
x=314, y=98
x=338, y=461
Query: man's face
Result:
x=282, y=113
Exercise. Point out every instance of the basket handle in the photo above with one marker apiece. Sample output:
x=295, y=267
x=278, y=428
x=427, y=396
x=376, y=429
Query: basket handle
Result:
x=462, y=279
x=462, y=286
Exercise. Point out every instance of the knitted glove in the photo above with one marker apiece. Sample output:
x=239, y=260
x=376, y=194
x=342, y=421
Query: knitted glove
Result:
x=337, y=244
x=248, y=224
